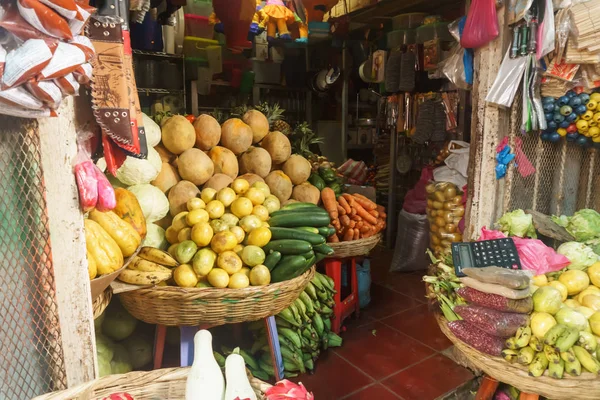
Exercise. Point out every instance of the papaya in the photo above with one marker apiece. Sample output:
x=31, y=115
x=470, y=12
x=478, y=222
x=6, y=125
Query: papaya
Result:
x=127, y=238
x=102, y=248
x=128, y=209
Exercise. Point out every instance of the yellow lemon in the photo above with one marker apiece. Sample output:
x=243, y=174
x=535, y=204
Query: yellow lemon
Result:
x=215, y=209
x=261, y=212
x=564, y=292
x=241, y=207
x=591, y=301
x=185, y=276
x=259, y=236
x=240, y=186
x=263, y=188
x=218, y=225
x=589, y=290
x=179, y=221
x=202, y=234
x=238, y=249
x=238, y=280
x=172, y=249
x=260, y=275
x=594, y=273
x=196, y=216
x=594, y=321
x=171, y=235
x=540, y=280
x=226, y=196
x=195, y=204
x=255, y=195
x=253, y=255
x=223, y=241
x=230, y=219
x=218, y=278
x=575, y=281
x=229, y=262
x=204, y=261
x=246, y=271
x=208, y=194
x=541, y=323
x=572, y=303
x=239, y=233
x=250, y=222
x=184, y=234
x=272, y=203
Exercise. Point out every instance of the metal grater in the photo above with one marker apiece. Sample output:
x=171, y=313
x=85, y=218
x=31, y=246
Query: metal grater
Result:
x=486, y=253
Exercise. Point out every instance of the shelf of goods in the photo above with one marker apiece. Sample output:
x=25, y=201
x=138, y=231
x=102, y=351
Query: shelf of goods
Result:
x=167, y=383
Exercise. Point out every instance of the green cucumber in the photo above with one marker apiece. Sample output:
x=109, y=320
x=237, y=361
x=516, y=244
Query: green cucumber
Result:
x=294, y=206
x=326, y=231
x=308, y=229
x=288, y=246
x=300, y=211
x=308, y=254
x=272, y=259
x=296, y=219
x=323, y=249
x=287, y=267
x=291, y=233
x=319, y=257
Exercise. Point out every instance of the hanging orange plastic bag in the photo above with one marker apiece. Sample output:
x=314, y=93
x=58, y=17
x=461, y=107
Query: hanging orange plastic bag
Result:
x=43, y=19
x=481, y=26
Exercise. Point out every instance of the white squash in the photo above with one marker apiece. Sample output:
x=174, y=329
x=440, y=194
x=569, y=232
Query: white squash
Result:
x=205, y=380
x=238, y=385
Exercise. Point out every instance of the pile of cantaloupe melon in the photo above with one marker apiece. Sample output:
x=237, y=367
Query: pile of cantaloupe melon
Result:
x=208, y=154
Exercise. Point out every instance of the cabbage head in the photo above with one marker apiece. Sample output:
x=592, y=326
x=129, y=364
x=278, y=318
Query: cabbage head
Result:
x=155, y=237
x=135, y=171
x=153, y=135
x=153, y=201
x=580, y=255
x=517, y=223
x=583, y=225
x=104, y=347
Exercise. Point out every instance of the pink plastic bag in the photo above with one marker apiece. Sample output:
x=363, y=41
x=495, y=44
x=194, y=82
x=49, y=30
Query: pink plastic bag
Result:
x=85, y=172
x=415, y=201
x=106, y=194
x=481, y=26
x=534, y=254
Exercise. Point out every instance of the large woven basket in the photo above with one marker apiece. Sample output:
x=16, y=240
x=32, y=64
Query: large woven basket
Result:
x=354, y=248
x=584, y=387
x=167, y=383
x=101, y=302
x=176, y=306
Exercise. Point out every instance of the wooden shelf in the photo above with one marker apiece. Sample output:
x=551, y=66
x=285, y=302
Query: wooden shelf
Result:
x=157, y=54
x=159, y=91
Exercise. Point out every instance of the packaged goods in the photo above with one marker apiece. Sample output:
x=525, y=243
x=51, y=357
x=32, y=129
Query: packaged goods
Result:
x=445, y=209
x=496, y=289
x=25, y=62
x=477, y=338
x=493, y=322
x=512, y=279
x=44, y=19
x=496, y=302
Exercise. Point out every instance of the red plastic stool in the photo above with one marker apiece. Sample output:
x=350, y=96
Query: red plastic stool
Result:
x=488, y=388
x=342, y=308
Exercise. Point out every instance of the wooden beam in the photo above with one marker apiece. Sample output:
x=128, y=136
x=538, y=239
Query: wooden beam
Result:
x=59, y=148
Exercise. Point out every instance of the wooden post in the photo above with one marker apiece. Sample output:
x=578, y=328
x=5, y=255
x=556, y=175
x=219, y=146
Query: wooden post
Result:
x=489, y=125
x=58, y=150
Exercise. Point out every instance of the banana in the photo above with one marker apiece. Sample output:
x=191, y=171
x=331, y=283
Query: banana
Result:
x=573, y=368
x=587, y=341
x=553, y=334
x=292, y=307
x=287, y=315
x=511, y=343
x=526, y=355
x=158, y=256
x=568, y=338
x=310, y=308
x=311, y=290
x=551, y=354
x=510, y=355
x=249, y=360
x=325, y=282
x=302, y=310
x=291, y=336
x=536, y=344
x=140, y=264
x=568, y=356
x=523, y=336
x=135, y=277
x=587, y=361
x=538, y=365
x=556, y=370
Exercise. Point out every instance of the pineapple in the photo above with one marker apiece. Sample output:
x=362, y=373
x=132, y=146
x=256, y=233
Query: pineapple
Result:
x=219, y=115
x=302, y=138
x=239, y=111
x=275, y=116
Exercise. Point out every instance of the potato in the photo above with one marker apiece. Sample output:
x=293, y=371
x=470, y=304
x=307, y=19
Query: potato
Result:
x=208, y=132
x=178, y=134
x=167, y=177
x=280, y=185
x=236, y=135
x=225, y=161
x=195, y=166
x=251, y=178
x=306, y=193
x=278, y=146
x=259, y=124
x=255, y=160
x=179, y=196
x=297, y=168
x=218, y=182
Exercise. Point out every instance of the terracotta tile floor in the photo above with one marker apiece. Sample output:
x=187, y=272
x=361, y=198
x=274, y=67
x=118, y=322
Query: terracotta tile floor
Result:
x=395, y=350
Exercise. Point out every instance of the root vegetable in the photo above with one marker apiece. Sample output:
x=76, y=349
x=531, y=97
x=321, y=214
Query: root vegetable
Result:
x=280, y=185
x=256, y=160
x=297, y=168
x=195, y=166
x=218, y=182
x=278, y=146
x=236, y=135
x=225, y=162
x=252, y=178
x=331, y=206
x=179, y=196
x=178, y=134
x=167, y=177
x=258, y=123
x=208, y=132
x=306, y=193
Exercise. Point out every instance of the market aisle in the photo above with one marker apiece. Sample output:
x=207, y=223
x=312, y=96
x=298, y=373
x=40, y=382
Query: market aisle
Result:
x=394, y=351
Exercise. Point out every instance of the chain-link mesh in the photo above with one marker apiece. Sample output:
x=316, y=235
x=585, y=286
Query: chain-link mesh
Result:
x=565, y=174
x=31, y=355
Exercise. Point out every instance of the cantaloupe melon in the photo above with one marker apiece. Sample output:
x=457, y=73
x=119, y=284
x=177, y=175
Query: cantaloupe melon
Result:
x=167, y=177
x=306, y=193
x=208, y=132
x=218, y=182
x=259, y=124
x=195, y=166
x=297, y=168
x=225, y=161
x=178, y=134
x=179, y=196
x=255, y=160
x=236, y=136
x=278, y=146
x=280, y=185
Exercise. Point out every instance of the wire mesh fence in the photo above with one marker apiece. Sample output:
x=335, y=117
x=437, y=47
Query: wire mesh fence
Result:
x=31, y=358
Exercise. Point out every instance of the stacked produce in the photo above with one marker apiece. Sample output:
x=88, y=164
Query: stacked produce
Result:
x=111, y=236
x=352, y=215
x=324, y=175
x=444, y=211
x=304, y=329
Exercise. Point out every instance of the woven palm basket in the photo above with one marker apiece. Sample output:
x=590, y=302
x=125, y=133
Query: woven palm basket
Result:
x=167, y=383
x=101, y=302
x=176, y=306
x=354, y=248
x=584, y=387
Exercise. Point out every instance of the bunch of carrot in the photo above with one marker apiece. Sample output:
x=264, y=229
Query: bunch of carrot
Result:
x=353, y=216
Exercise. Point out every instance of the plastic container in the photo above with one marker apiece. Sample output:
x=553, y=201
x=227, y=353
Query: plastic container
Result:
x=198, y=26
x=408, y=21
x=401, y=37
x=266, y=72
x=438, y=30
x=209, y=50
x=199, y=7
x=192, y=65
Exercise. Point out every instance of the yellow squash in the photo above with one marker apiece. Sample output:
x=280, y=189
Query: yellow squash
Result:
x=129, y=209
x=102, y=248
x=127, y=238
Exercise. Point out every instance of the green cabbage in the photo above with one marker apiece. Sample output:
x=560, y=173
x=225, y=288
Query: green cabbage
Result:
x=153, y=135
x=135, y=171
x=153, y=201
x=580, y=255
x=155, y=237
x=583, y=225
x=517, y=223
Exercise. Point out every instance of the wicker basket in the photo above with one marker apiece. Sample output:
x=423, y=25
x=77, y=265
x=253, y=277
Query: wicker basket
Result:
x=354, y=248
x=167, y=383
x=584, y=387
x=176, y=306
x=101, y=302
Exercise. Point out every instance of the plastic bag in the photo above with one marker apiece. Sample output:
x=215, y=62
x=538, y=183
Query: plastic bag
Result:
x=46, y=91
x=453, y=68
x=447, y=174
x=66, y=59
x=512, y=279
x=106, y=194
x=481, y=26
x=496, y=302
x=25, y=62
x=43, y=19
x=68, y=85
x=411, y=243
x=507, y=81
x=85, y=172
x=493, y=322
x=459, y=157
x=415, y=201
x=515, y=294
x=445, y=209
x=477, y=338
x=19, y=97
x=545, y=31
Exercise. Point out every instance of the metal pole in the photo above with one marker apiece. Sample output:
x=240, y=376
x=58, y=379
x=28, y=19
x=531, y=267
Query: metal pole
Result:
x=344, y=103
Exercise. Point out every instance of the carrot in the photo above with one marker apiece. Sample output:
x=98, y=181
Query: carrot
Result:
x=365, y=228
x=366, y=203
x=373, y=213
x=341, y=210
x=382, y=215
x=349, y=198
x=359, y=224
x=336, y=223
x=356, y=235
x=345, y=220
x=328, y=197
x=364, y=214
x=380, y=209
x=344, y=204
x=352, y=224
x=348, y=235
x=333, y=239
